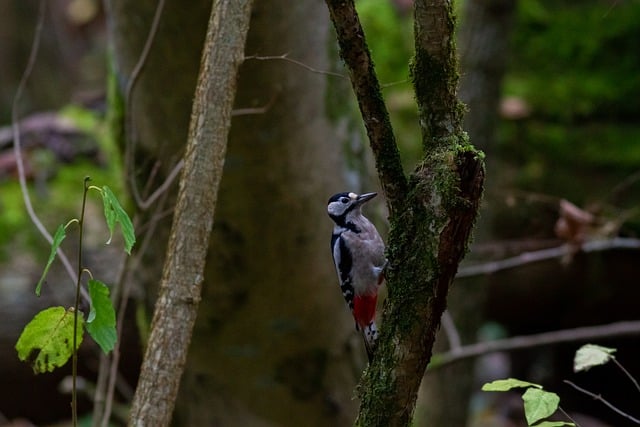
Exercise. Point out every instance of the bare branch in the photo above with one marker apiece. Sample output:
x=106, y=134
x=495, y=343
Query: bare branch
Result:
x=285, y=57
x=129, y=123
x=545, y=254
x=601, y=399
x=163, y=188
x=256, y=110
x=627, y=373
x=586, y=333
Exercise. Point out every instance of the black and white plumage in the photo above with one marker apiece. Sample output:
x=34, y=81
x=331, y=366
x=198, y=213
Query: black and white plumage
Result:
x=358, y=254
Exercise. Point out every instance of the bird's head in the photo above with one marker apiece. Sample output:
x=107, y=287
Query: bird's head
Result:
x=341, y=205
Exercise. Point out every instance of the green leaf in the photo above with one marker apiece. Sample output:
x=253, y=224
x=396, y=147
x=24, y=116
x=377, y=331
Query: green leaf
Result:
x=554, y=424
x=508, y=384
x=101, y=322
x=539, y=404
x=58, y=237
x=47, y=340
x=590, y=355
x=114, y=213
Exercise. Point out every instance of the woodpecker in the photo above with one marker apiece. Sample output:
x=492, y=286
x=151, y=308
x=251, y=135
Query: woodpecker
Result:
x=358, y=254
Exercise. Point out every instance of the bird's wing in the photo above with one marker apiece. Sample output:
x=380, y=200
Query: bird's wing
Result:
x=343, y=261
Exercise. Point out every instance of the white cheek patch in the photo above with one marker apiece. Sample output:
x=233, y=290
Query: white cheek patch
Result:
x=335, y=208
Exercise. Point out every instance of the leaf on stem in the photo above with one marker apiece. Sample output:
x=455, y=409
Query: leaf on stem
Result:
x=508, y=384
x=101, y=322
x=114, y=213
x=58, y=237
x=539, y=404
x=590, y=355
x=47, y=340
x=554, y=424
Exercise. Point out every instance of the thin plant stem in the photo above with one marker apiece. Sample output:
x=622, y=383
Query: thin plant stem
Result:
x=568, y=416
x=74, y=362
x=627, y=373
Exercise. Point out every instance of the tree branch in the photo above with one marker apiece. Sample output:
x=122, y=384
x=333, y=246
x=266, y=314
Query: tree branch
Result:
x=355, y=53
x=129, y=124
x=285, y=57
x=606, y=402
x=545, y=254
x=586, y=333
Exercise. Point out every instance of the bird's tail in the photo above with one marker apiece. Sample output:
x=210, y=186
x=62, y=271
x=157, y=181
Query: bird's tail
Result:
x=370, y=335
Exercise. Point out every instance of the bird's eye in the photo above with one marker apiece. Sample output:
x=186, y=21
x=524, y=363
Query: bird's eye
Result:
x=344, y=200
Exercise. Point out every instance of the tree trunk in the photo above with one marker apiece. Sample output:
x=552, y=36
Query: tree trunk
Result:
x=182, y=278
x=432, y=213
x=274, y=343
x=483, y=39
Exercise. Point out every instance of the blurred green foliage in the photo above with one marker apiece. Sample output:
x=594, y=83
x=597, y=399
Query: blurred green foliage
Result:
x=389, y=35
x=575, y=65
x=390, y=38
x=55, y=195
x=577, y=59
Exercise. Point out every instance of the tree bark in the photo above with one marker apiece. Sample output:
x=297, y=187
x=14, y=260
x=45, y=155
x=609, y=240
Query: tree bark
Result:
x=483, y=38
x=430, y=222
x=183, y=273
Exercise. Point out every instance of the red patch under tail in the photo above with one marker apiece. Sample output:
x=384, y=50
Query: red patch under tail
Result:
x=364, y=309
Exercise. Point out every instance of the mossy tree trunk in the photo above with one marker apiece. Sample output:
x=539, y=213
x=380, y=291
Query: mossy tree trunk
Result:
x=431, y=213
x=483, y=40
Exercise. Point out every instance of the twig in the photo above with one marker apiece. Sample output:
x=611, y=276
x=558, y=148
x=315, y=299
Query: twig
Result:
x=257, y=110
x=285, y=57
x=145, y=204
x=618, y=329
x=627, y=373
x=17, y=148
x=129, y=124
x=568, y=416
x=601, y=399
x=545, y=254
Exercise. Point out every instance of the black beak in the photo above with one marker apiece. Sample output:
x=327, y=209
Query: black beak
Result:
x=363, y=198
